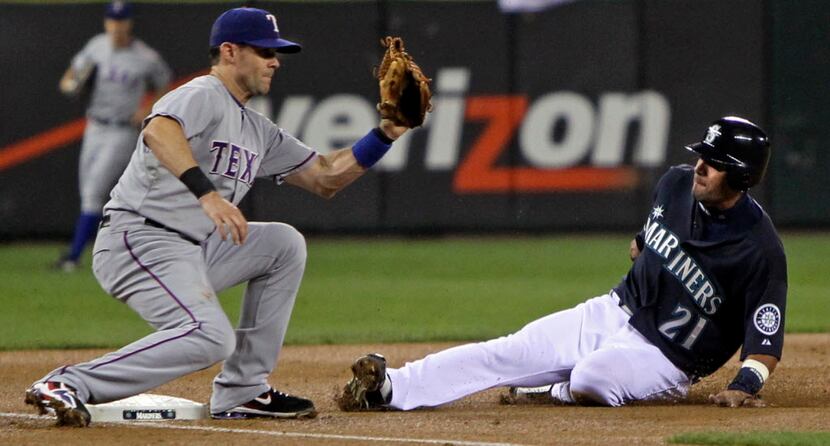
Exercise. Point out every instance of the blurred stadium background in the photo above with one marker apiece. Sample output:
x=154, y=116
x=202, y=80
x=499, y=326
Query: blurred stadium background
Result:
x=551, y=126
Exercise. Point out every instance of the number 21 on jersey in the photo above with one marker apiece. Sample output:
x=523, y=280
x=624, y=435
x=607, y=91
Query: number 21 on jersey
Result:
x=680, y=318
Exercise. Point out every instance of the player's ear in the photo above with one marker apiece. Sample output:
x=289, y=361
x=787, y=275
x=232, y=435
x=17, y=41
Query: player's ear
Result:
x=228, y=51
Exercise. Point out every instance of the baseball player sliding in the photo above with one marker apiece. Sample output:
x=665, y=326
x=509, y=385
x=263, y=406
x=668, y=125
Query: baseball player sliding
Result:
x=172, y=235
x=120, y=69
x=708, y=275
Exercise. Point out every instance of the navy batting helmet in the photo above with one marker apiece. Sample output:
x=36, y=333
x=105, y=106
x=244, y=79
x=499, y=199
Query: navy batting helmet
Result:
x=737, y=146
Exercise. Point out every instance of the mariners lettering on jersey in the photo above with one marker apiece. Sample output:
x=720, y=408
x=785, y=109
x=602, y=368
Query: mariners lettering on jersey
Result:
x=233, y=161
x=683, y=267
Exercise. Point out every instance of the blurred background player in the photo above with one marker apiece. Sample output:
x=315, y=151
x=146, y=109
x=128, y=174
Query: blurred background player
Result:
x=709, y=276
x=117, y=69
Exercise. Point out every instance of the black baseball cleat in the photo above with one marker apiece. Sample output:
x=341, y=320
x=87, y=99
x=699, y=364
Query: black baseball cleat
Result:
x=56, y=398
x=363, y=391
x=271, y=404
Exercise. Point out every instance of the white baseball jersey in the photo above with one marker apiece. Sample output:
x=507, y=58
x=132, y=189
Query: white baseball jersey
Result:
x=122, y=77
x=232, y=145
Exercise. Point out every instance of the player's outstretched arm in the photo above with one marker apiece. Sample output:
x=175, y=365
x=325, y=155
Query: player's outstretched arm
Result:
x=165, y=137
x=743, y=391
x=331, y=173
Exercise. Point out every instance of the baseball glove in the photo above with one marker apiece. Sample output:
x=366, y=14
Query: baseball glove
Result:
x=404, y=89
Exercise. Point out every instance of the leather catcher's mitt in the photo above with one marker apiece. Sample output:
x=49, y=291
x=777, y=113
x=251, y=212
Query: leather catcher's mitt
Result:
x=404, y=89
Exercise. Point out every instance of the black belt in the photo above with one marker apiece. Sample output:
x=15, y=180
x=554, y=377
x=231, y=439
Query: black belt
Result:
x=105, y=222
x=104, y=121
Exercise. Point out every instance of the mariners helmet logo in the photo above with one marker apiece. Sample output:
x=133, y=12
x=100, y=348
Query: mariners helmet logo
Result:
x=711, y=134
x=767, y=319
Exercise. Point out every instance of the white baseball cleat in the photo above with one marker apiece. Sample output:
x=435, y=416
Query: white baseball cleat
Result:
x=57, y=398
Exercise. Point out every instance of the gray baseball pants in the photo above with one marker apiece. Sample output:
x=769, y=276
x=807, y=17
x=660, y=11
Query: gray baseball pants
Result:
x=105, y=152
x=172, y=284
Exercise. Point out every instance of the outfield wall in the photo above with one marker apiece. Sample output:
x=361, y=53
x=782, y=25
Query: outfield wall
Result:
x=557, y=120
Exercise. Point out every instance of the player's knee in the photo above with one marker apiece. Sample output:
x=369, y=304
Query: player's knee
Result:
x=290, y=242
x=220, y=341
x=595, y=387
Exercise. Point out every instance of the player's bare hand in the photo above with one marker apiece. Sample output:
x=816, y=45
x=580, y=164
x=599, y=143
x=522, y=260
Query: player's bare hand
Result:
x=391, y=130
x=227, y=217
x=736, y=398
x=633, y=250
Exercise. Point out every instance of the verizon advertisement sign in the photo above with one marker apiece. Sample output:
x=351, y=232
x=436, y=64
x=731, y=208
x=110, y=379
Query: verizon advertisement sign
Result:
x=588, y=152
x=558, y=120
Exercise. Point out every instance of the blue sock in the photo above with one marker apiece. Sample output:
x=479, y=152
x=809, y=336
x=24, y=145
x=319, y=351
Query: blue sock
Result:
x=85, y=228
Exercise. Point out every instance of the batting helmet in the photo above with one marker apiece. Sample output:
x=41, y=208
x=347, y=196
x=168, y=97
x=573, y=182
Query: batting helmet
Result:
x=738, y=147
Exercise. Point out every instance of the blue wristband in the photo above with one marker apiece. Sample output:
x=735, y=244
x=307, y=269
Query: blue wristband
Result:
x=748, y=380
x=371, y=148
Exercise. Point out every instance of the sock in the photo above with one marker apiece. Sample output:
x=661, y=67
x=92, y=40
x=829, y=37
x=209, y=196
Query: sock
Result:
x=85, y=228
x=562, y=392
x=386, y=390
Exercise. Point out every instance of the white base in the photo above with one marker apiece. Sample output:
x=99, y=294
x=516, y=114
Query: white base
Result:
x=148, y=407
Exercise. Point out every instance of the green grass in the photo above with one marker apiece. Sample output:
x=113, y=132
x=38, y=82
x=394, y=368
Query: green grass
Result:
x=754, y=438
x=384, y=290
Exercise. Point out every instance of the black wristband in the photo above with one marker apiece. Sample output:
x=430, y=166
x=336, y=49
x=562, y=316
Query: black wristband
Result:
x=197, y=181
x=382, y=136
x=748, y=380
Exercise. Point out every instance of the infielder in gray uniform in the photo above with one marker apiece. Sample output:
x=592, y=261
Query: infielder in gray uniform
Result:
x=120, y=69
x=172, y=236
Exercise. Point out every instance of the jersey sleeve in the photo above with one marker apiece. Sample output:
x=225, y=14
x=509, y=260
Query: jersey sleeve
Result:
x=86, y=57
x=673, y=173
x=286, y=155
x=764, y=314
x=160, y=73
x=194, y=108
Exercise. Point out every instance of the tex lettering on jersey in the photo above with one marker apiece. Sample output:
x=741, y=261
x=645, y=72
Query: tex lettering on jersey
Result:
x=233, y=161
x=683, y=267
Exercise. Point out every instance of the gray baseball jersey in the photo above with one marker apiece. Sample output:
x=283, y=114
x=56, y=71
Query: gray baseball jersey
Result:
x=232, y=144
x=122, y=77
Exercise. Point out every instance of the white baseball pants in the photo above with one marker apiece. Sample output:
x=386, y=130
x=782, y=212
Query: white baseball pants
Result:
x=592, y=345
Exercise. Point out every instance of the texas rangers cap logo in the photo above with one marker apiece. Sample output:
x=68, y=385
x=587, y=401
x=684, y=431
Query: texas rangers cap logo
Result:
x=767, y=319
x=711, y=134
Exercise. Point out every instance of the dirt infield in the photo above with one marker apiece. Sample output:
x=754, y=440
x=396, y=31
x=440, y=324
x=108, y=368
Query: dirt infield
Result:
x=798, y=395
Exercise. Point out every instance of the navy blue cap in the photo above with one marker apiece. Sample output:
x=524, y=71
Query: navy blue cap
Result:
x=119, y=10
x=251, y=26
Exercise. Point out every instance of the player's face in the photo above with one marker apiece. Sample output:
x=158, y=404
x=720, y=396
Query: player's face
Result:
x=120, y=31
x=256, y=68
x=710, y=187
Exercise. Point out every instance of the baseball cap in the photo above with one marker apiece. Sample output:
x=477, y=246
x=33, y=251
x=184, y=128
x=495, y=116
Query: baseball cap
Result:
x=251, y=26
x=119, y=10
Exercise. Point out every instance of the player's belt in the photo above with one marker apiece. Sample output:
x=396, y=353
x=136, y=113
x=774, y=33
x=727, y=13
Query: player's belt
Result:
x=105, y=222
x=116, y=122
x=620, y=303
